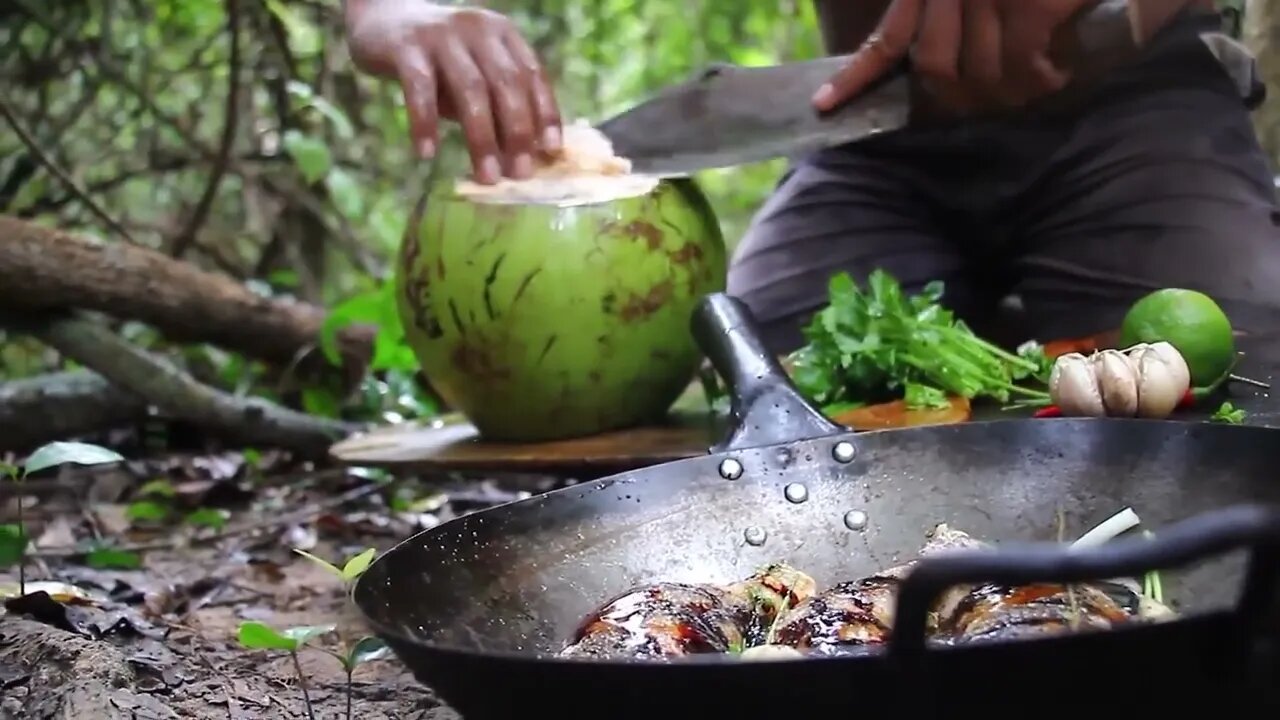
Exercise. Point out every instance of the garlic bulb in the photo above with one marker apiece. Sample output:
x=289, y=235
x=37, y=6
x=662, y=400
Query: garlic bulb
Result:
x=1073, y=387
x=1118, y=383
x=1163, y=378
x=1146, y=381
x=1177, y=365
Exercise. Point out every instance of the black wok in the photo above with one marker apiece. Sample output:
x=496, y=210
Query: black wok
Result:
x=476, y=607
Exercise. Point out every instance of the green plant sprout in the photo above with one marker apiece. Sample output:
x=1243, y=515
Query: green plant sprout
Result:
x=256, y=635
x=362, y=651
x=14, y=540
x=366, y=648
x=350, y=571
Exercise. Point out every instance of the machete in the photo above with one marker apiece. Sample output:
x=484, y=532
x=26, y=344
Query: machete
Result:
x=732, y=115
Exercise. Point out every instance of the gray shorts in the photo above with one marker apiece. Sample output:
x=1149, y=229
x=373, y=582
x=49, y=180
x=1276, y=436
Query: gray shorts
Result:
x=1156, y=181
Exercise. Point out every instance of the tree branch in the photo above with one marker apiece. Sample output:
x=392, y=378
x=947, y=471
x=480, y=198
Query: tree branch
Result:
x=40, y=155
x=173, y=391
x=229, y=125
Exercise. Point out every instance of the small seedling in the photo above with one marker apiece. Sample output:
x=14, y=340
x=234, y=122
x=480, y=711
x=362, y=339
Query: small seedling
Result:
x=256, y=635
x=364, y=650
x=45, y=457
x=350, y=571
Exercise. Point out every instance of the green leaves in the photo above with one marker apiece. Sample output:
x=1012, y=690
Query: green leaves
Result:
x=105, y=557
x=367, y=649
x=13, y=545
x=256, y=635
x=310, y=154
x=308, y=98
x=304, y=36
x=1228, y=414
x=62, y=453
x=880, y=344
x=348, y=573
x=372, y=307
x=212, y=518
x=345, y=192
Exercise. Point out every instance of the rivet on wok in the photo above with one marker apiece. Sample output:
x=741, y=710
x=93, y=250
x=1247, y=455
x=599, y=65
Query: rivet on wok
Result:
x=755, y=535
x=730, y=469
x=855, y=520
x=843, y=452
x=796, y=493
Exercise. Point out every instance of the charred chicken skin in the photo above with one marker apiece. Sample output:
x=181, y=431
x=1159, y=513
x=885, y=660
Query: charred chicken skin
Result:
x=676, y=619
x=859, y=613
x=778, y=609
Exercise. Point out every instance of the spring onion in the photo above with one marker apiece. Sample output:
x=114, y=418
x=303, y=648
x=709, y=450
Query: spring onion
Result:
x=1152, y=586
x=1108, y=530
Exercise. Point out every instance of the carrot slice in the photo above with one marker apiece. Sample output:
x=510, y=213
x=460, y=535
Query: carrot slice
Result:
x=896, y=414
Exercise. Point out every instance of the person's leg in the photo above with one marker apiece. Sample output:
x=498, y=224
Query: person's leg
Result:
x=1161, y=184
x=850, y=209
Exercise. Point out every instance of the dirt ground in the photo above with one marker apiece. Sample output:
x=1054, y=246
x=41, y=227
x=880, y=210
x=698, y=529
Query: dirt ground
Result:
x=160, y=641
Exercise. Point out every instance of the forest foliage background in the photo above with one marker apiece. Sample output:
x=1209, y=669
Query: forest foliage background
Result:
x=302, y=186
x=265, y=155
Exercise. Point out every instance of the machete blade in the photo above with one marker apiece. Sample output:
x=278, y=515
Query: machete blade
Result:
x=731, y=115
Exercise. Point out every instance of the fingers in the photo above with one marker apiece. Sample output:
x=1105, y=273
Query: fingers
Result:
x=1028, y=71
x=937, y=48
x=469, y=91
x=511, y=96
x=886, y=47
x=935, y=56
x=981, y=62
x=419, y=86
x=546, y=111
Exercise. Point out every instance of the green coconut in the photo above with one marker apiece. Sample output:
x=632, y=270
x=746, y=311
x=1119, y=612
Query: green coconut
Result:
x=559, y=306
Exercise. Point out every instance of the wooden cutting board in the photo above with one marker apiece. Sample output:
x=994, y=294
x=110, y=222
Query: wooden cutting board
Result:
x=452, y=443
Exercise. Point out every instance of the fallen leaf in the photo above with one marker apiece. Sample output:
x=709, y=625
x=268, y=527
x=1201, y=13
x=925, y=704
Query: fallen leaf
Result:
x=59, y=592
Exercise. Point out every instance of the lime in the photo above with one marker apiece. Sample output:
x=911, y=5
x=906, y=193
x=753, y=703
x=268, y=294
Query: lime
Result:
x=1190, y=321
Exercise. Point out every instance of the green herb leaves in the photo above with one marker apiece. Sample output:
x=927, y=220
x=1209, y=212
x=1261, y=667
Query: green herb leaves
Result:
x=880, y=344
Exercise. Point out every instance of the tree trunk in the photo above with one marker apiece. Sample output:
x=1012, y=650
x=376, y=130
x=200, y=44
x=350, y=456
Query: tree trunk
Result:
x=45, y=269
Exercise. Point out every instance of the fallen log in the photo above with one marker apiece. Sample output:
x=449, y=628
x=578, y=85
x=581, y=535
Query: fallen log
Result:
x=177, y=394
x=43, y=269
x=61, y=405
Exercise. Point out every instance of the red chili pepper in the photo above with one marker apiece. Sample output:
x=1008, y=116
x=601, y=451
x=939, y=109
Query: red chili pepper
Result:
x=1188, y=400
x=1051, y=411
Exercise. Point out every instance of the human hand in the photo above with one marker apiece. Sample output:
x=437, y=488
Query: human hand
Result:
x=967, y=53
x=464, y=64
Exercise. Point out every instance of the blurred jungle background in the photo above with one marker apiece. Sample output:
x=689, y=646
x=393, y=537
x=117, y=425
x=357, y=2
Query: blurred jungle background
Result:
x=118, y=122
x=235, y=137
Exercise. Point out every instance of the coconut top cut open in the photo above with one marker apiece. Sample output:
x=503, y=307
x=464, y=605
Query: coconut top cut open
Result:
x=584, y=171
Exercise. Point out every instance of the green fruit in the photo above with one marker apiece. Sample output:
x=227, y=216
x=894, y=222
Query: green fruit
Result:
x=1190, y=321
x=541, y=321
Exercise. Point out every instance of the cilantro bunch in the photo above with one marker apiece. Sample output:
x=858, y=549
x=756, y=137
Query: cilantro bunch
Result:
x=880, y=344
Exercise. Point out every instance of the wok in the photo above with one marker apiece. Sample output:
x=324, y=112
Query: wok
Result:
x=477, y=607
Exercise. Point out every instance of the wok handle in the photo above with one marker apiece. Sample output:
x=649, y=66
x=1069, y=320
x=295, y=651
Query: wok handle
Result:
x=766, y=408
x=1256, y=527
